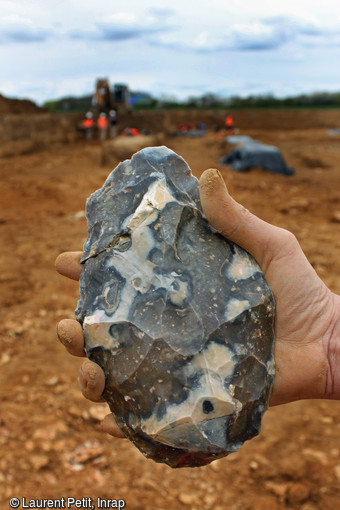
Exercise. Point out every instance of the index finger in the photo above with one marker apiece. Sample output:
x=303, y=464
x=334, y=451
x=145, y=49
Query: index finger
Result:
x=68, y=264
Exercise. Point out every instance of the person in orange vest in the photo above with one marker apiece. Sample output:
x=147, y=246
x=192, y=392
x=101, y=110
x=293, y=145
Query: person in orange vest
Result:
x=102, y=126
x=229, y=124
x=88, y=125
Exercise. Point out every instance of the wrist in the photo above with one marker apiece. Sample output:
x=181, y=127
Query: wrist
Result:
x=331, y=342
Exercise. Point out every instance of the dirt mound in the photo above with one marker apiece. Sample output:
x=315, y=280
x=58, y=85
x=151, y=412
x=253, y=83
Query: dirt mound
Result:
x=8, y=105
x=124, y=147
x=32, y=132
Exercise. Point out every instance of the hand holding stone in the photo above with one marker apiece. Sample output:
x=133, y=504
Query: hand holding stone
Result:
x=307, y=321
x=307, y=315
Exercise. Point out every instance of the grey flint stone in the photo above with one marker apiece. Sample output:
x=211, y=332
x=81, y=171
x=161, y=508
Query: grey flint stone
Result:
x=179, y=318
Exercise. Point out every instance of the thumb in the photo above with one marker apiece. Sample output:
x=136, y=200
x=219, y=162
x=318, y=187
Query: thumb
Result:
x=263, y=240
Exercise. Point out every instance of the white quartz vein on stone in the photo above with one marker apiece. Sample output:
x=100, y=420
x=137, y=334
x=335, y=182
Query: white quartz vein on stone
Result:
x=210, y=387
x=162, y=151
x=154, y=200
x=242, y=266
x=235, y=307
x=133, y=264
x=97, y=333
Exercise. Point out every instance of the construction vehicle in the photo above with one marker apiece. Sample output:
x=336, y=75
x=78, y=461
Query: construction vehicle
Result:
x=121, y=98
x=105, y=100
x=102, y=99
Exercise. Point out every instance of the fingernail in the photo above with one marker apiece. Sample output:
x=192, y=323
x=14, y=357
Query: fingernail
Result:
x=219, y=175
x=211, y=171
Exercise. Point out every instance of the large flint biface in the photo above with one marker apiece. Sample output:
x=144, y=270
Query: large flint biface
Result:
x=179, y=319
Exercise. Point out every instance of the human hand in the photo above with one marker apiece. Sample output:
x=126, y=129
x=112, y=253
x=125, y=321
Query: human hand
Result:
x=307, y=318
x=307, y=313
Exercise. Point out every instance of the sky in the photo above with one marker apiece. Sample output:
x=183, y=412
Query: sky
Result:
x=51, y=49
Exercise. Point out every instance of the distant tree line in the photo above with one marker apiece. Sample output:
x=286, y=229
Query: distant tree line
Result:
x=69, y=104
x=142, y=100
x=317, y=99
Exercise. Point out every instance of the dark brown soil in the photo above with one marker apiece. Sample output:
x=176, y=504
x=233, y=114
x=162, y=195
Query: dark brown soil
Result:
x=8, y=105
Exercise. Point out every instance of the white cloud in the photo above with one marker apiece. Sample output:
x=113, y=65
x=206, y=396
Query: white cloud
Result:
x=19, y=29
x=259, y=35
x=120, y=26
x=254, y=35
x=50, y=49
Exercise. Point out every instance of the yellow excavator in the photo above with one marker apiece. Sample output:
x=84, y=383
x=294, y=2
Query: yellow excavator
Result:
x=104, y=99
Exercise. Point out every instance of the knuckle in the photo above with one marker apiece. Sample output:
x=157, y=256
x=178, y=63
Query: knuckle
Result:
x=281, y=246
x=288, y=240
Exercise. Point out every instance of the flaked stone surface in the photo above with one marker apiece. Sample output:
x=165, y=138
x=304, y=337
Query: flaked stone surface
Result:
x=179, y=318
